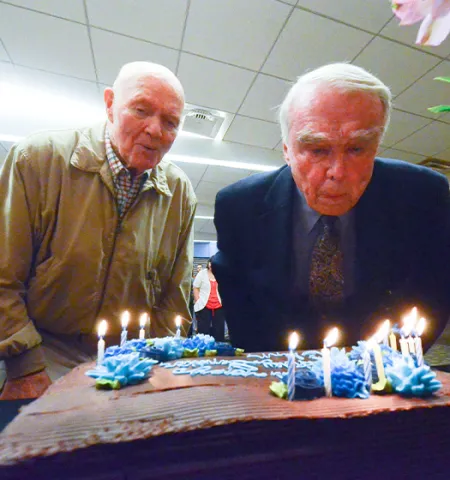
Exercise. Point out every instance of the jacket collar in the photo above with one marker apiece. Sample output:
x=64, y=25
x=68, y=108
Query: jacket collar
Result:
x=89, y=155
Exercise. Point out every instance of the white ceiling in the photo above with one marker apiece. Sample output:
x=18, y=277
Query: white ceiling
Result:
x=238, y=56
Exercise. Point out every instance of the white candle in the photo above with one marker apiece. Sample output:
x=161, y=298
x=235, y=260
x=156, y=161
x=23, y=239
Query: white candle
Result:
x=101, y=342
x=412, y=325
x=367, y=364
x=142, y=324
x=418, y=341
x=384, y=332
x=404, y=346
x=330, y=340
x=293, y=342
x=178, y=325
x=378, y=362
x=124, y=321
x=393, y=341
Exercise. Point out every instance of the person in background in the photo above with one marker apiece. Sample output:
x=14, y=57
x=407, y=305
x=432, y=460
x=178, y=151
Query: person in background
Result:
x=93, y=221
x=336, y=237
x=208, y=304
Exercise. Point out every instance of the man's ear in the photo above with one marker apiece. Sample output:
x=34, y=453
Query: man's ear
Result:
x=108, y=97
x=286, y=154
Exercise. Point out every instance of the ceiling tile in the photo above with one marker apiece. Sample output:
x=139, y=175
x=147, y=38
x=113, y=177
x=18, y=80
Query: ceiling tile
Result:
x=213, y=84
x=73, y=88
x=431, y=139
x=125, y=50
x=234, y=31
x=402, y=125
x=50, y=43
x=208, y=227
x=264, y=97
x=366, y=15
x=408, y=34
x=201, y=236
x=399, y=155
x=309, y=41
x=253, y=132
x=3, y=55
x=225, y=175
x=279, y=146
x=396, y=65
x=199, y=223
x=426, y=92
x=152, y=20
x=194, y=171
x=205, y=210
x=206, y=192
x=7, y=71
x=72, y=10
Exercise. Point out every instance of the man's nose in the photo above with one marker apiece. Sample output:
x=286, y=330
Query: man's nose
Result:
x=153, y=127
x=337, y=169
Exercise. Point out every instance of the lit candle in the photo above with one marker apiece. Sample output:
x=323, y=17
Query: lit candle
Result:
x=293, y=342
x=404, y=332
x=329, y=341
x=367, y=364
x=124, y=321
x=393, y=341
x=178, y=325
x=142, y=324
x=378, y=362
x=101, y=342
x=412, y=325
x=385, y=331
x=418, y=341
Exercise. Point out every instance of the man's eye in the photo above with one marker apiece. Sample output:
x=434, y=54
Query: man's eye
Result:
x=320, y=151
x=356, y=149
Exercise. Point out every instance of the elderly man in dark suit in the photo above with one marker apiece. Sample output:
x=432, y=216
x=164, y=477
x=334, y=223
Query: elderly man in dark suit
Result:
x=336, y=237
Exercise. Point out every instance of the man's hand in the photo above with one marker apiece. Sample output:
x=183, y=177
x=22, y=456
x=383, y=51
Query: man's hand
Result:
x=30, y=386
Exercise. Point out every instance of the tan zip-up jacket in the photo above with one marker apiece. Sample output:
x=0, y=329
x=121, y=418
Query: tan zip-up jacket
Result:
x=66, y=261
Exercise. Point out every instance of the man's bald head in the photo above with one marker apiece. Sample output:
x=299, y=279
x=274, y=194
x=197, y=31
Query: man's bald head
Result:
x=144, y=109
x=132, y=71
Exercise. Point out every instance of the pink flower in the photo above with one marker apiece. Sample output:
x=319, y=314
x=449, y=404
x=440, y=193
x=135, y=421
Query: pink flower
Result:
x=435, y=16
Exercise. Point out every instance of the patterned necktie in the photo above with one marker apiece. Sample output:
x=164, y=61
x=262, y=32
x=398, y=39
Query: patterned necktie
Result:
x=326, y=278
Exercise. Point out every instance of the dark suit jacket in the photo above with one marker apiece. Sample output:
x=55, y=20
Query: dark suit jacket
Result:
x=402, y=258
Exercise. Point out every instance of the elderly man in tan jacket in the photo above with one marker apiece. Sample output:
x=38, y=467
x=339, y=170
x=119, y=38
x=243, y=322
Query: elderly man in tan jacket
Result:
x=93, y=221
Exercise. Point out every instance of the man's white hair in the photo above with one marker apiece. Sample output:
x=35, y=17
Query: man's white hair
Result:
x=134, y=70
x=341, y=76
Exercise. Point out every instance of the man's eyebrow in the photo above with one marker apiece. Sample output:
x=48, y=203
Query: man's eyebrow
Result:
x=308, y=136
x=367, y=134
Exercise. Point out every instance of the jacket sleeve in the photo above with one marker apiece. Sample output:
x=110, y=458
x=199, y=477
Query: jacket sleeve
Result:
x=19, y=339
x=230, y=268
x=175, y=300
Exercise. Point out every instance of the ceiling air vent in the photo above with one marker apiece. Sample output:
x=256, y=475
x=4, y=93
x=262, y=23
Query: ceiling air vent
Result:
x=442, y=166
x=202, y=122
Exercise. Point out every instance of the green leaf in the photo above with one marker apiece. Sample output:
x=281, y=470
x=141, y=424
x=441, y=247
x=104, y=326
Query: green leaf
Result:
x=443, y=79
x=439, y=109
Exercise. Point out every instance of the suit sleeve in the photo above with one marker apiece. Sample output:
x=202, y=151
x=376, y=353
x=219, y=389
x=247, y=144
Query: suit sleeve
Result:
x=19, y=200
x=433, y=274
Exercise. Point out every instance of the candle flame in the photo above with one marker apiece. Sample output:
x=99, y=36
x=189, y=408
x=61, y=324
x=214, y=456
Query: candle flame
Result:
x=420, y=326
x=382, y=331
x=331, y=338
x=125, y=318
x=407, y=327
x=101, y=329
x=294, y=338
x=143, y=320
x=414, y=316
x=178, y=321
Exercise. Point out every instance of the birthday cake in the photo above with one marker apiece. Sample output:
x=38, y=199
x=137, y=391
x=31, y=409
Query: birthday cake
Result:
x=215, y=417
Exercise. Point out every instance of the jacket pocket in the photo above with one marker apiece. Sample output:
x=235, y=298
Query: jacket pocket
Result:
x=154, y=286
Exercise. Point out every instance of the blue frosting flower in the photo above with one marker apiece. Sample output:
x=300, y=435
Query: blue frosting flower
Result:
x=122, y=370
x=164, y=349
x=307, y=384
x=409, y=380
x=347, y=378
x=130, y=346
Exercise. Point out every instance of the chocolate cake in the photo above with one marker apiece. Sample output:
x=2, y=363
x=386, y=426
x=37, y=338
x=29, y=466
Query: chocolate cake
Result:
x=208, y=427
